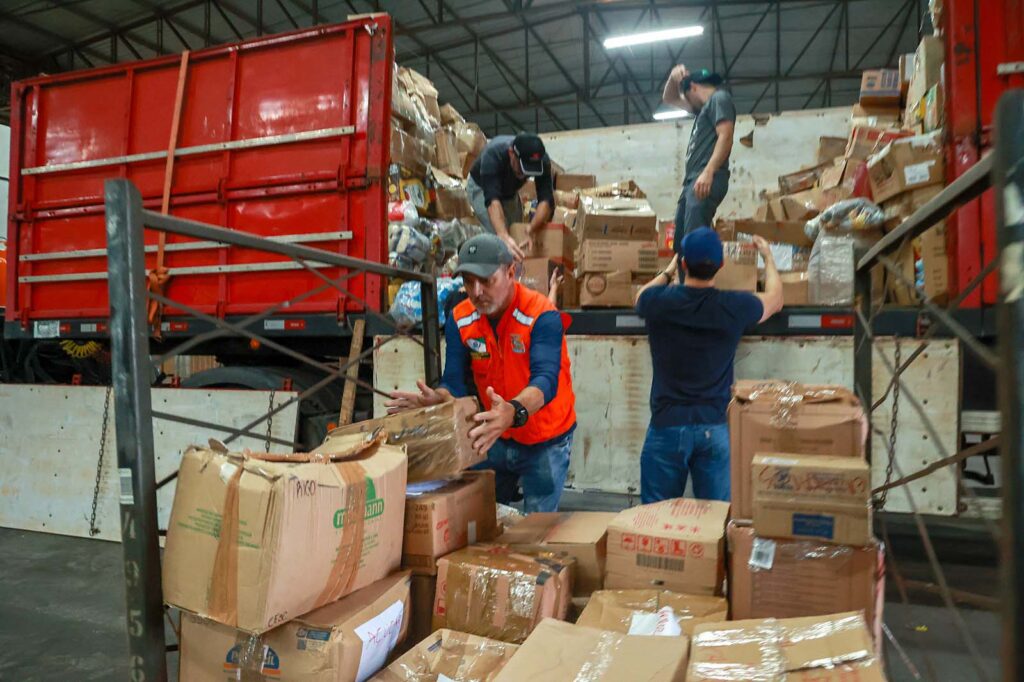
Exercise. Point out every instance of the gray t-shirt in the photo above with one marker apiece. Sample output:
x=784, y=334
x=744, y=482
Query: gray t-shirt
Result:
x=703, y=135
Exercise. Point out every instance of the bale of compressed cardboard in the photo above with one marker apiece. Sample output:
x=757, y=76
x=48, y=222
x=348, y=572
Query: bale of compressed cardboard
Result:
x=345, y=641
x=446, y=515
x=781, y=416
x=622, y=610
x=255, y=540
x=492, y=591
x=828, y=648
x=450, y=655
x=581, y=535
x=677, y=545
x=436, y=438
x=557, y=651
x=820, y=497
x=770, y=577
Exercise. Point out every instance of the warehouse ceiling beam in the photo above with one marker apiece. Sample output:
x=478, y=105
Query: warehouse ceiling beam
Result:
x=158, y=12
x=646, y=110
x=68, y=44
x=750, y=36
x=899, y=34
x=811, y=41
x=880, y=35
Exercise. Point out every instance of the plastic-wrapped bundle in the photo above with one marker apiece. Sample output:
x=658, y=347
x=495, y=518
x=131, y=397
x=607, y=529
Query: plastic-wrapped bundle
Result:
x=454, y=232
x=830, y=269
x=850, y=214
x=408, y=248
x=407, y=308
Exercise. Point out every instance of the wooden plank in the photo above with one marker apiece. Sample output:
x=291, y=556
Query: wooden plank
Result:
x=348, y=397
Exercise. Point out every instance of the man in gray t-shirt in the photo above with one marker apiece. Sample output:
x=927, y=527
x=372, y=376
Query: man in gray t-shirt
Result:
x=707, y=155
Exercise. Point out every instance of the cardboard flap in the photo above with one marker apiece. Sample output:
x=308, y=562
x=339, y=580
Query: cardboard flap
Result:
x=824, y=642
x=747, y=391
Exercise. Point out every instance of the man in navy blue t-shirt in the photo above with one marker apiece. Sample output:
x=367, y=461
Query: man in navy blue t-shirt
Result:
x=693, y=332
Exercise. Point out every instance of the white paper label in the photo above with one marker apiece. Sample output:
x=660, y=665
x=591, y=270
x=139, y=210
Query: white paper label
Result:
x=471, y=532
x=662, y=623
x=779, y=461
x=379, y=635
x=917, y=173
x=275, y=325
x=125, y=477
x=441, y=677
x=46, y=329
x=763, y=554
x=227, y=470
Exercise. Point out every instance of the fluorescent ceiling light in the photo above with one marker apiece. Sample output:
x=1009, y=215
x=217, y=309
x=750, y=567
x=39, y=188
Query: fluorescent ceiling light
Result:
x=653, y=36
x=671, y=113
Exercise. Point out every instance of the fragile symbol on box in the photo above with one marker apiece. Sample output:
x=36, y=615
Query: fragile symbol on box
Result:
x=628, y=542
x=679, y=547
x=696, y=550
x=660, y=546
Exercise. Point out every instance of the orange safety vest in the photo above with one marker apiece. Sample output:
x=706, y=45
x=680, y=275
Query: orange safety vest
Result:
x=504, y=363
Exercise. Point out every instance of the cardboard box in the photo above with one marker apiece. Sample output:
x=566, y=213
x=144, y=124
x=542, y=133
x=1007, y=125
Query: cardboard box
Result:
x=866, y=140
x=900, y=292
x=570, y=181
x=906, y=69
x=829, y=648
x=875, y=117
x=625, y=610
x=447, y=152
x=564, y=216
x=779, y=416
x=448, y=196
x=676, y=545
x=436, y=438
x=568, y=292
x=421, y=609
x=409, y=151
x=783, y=232
x=405, y=185
x=934, y=108
x=794, y=288
x=624, y=189
x=935, y=258
x=257, y=540
x=557, y=652
x=492, y=591
x=443, y=516
x=842, y=174
x=581, y=535
x=786, y=578
x=554, y=241
x=805, y=178
x=928, y=61
x=616, y=218
x=609, y=255
x=739, y=267
x=880, y=88
x=450, y=655
x=819, y=497
x=899, y=208
x=606, y=290
x=802, y=206
x=450, y=115
x=348, y=640
x=907, y=164
x=536, y=274
x=830, y=148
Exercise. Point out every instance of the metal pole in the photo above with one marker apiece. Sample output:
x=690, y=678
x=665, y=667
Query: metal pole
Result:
x=131, y=371
x=431, y=333
x=1009, y=188
x=862, y=345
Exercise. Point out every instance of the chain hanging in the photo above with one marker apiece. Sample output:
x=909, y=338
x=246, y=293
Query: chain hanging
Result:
x=270, y=419
x=93, y=530
x=893, y=426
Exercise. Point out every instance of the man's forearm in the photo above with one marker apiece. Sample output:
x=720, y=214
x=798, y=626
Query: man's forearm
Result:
x=772, y=286
x=497, y=215
x=532, y=398
x=670, y=95
x=541, y=216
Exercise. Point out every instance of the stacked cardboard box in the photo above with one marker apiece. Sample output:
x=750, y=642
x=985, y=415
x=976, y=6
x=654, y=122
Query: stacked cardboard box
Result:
x=630, y=611
x=450, y=655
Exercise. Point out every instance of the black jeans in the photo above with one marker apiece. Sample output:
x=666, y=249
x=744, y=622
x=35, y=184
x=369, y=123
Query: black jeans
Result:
x=692, y=212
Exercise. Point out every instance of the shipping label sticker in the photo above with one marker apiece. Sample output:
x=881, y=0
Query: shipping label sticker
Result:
x=379, y=635
x=125, y=476
x=763, y=554
x=918, y=173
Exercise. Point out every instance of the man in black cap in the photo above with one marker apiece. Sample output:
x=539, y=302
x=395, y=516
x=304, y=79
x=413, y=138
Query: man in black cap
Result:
x=707, y=155
x=506, y=345
x=494, y=181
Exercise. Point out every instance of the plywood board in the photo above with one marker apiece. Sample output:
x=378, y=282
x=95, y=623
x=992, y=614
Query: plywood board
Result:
x=49, y=446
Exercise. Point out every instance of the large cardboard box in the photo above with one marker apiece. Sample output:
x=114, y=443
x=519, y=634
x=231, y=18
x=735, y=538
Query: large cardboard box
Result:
x=346, y=641
x=820, y=497
x=906, y=164
x=570, y=181
x=492, y=591
x=606, y=290
x=676, y=545
x=830, y=148
x=450, y=655
x=616, y=218
x=794, y=288
x=554, y=241
x=608, y=255
x=739, y=267
x=581, y=535
x=409, y=151
x=447, y=152
x=802, y=205
x=436, y=438
x=557, y=652
x=627, y=610
x=866, y=140
x=927, y=68
x=443, y=516
x=875, y=117
x=770, y=577
x=805, y=178
x=880, y=88
x=784, y=232
x=257, y=540
x=448, y=196
x=829, y=648
x=780, y=416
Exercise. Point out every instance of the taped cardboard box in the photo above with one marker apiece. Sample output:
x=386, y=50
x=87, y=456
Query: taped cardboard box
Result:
x=581, y=535
x=927, y=72
x=880, y=88
x=818, y=497
x=829, y=648
x=436, y=437
x=346, y=641
x=906, y=164
x=794, y=288
x=609, y=255
x=906, y=69
x=558, y=651
x=802, y=206
x=492, y=591
x=902, y=291
x=739, y=267
x=257, y=540
x=676, y=545
x=780, y=416
x=770, y=577
x=443, y=516
x=570, y=181
x=606, y=290
x=616, y=218
x=566, y=199
x=625, y=611
x=450, y=655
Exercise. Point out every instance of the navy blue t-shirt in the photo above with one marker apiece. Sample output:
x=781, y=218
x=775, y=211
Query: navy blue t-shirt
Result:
x=693, y=333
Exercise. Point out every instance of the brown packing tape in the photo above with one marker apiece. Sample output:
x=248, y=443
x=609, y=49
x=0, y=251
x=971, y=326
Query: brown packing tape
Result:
x=251, y=657
x=223, y=603
x=352, y=476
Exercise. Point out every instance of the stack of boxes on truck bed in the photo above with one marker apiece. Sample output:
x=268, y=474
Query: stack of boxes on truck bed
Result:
x=378, y=557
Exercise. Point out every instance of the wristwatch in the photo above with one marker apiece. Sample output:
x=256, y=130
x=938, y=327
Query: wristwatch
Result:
x=521, y=415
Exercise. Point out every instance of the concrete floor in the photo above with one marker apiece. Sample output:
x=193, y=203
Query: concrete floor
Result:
x=62, y=606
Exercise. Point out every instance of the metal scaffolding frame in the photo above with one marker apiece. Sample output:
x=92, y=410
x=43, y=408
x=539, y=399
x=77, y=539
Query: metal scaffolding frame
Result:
x=133, y=370
x=1003, y=171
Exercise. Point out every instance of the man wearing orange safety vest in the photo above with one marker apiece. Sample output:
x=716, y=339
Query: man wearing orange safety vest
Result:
x=506, y=344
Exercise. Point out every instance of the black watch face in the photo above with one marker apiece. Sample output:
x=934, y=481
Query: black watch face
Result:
x=521, y=415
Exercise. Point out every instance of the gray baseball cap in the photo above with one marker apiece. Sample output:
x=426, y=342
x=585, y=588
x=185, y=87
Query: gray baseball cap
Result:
x=482, y=255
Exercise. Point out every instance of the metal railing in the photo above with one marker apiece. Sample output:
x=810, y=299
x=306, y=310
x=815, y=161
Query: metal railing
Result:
x=133, y=370
x=1002, y=170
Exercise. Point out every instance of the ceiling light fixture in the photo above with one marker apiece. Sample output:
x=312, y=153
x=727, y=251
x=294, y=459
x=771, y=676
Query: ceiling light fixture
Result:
x=671, y=113
x=653, y=36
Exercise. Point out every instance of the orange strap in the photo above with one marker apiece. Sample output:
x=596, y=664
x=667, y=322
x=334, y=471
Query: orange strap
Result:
x=158, y=276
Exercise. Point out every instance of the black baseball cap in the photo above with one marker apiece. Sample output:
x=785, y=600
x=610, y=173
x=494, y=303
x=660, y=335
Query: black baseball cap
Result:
x=482, y=255
x=531, y=153
x=706, y=77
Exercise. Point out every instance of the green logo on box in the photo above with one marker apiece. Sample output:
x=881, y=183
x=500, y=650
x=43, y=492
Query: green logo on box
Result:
x=374, y=506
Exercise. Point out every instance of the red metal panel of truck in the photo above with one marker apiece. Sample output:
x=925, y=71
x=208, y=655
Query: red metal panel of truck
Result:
x=285, y=137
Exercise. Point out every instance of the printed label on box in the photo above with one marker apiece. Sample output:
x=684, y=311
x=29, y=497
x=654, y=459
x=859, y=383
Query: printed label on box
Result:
x=815, y=525
x=379, y=635
x=917, y=173
x=763, y=554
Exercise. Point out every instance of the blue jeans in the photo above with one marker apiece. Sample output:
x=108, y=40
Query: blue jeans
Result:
x=671, y=454
x=692, y=212
x=540, y=468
